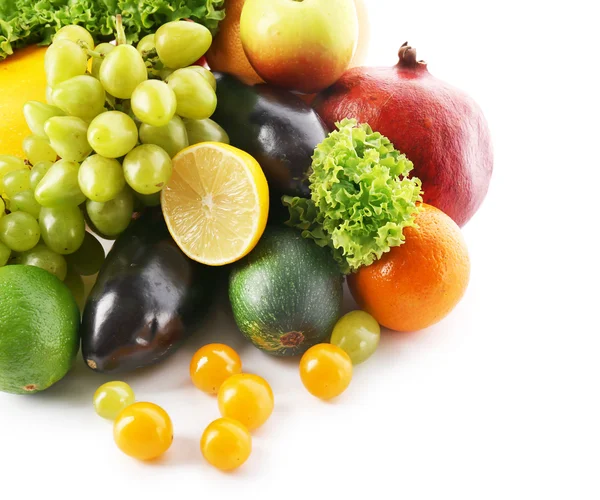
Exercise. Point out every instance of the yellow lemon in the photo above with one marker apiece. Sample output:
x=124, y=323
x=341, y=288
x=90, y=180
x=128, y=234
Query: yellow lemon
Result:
x=22, y=79
x=216, y=204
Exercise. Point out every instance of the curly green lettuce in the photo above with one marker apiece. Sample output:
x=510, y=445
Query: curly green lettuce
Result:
x=23, y=22
x=361, y=196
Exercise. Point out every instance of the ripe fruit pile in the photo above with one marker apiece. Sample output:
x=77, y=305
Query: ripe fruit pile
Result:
x=114, y=117
x=302, y=199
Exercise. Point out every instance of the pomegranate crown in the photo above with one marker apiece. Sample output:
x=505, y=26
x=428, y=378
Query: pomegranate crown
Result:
x=408, y=58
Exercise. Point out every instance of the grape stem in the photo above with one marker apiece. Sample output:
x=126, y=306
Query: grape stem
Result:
x=111, y=102
x=93, y=53
x=121, y=38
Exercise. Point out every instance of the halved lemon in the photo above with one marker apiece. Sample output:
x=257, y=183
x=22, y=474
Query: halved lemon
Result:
x=216, y=204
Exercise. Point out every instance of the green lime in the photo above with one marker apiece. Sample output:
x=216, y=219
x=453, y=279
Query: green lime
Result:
x=39, y=329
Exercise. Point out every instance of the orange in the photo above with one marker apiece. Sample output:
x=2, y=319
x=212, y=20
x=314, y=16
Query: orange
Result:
x=226, y=53
x=418, y=283
x=22, y=79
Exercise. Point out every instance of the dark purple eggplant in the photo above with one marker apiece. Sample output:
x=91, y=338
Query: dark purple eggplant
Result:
x=276, y=127
x=148, y=299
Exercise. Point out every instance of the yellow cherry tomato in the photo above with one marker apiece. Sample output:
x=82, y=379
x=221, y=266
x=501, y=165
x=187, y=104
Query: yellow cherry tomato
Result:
x=212, y=365
x=326, y=371
x=246, y=398
x=226, y=444
x=143, y=431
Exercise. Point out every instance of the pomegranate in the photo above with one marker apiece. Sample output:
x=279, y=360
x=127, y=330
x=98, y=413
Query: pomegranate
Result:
x=439, y=128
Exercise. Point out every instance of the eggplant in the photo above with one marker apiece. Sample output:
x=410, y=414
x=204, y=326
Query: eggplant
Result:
x=148, y=299
x=276, y=127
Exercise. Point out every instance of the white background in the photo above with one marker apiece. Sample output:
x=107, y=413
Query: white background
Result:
x=498, y=401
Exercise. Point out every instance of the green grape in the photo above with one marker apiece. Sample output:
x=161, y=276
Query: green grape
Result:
x=146, y=45
x=207, y=74
x=154, y=103
x=164, y=73
x=76, y=34
x=75, y=284
x=111, y=218
x=100, y=178
x=38, y=171
x=147, y=168
x=81, y=96
x=37, y=113
x=2, y=208
x=25, y=202
x=38, y=149
x=4, y=254
x=149, y=200
x=357, y=333
x=64, y=59
x=126, y=108
x=60, y=186
x=112, y=134
x=122, y=71
x=62, y=228
x=14, y=182
x=205, y=130
x=49, y=95
x=68, y=137
x=195, y=97
x=8, y=164
x=102, y=49
x=181, y=43
x=172, y=137
x=112, y=398
x=88, y=260
x=42, y=256
x=19, y=231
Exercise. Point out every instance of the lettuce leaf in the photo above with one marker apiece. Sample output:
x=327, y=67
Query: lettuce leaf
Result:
x=23, y=22
x=361, y=196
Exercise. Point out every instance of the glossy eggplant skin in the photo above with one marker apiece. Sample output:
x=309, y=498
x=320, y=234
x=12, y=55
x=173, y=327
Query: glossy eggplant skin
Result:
x=148, y=299
x=276, y=127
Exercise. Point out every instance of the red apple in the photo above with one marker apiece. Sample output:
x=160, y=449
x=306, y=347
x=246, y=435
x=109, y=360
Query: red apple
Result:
x=302, y=45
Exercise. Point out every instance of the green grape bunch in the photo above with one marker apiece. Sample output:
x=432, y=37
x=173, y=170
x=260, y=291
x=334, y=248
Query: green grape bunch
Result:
x=102, y=144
